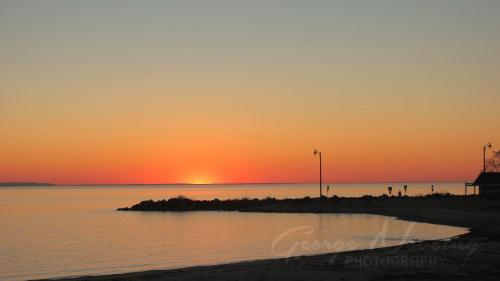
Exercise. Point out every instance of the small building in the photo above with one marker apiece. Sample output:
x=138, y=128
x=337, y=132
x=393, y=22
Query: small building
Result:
x=488, y=183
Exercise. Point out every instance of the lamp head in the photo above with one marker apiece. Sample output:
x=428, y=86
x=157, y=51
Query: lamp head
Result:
x=489, y=145
x=315, y=152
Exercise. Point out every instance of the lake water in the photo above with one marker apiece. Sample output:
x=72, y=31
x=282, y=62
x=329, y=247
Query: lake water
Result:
x=73, y=231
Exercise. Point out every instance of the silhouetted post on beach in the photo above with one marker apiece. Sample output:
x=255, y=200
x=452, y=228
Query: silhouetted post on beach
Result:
x=486, y=146
x=316, y=152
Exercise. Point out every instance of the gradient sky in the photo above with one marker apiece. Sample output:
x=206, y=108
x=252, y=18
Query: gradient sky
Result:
x=243, y=91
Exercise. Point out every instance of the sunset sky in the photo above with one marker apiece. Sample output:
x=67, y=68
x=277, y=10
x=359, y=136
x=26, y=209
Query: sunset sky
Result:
x=244, y=91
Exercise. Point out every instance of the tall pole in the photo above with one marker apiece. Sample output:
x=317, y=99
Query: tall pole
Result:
x=317, y=152
x=486, y=146
x=320, y=178
x=484, y=158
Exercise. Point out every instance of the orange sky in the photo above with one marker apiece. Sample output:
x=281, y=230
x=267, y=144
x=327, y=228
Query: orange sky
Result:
x=245, y=92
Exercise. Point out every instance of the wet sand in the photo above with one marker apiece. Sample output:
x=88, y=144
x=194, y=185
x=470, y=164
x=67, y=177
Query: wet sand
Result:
x=475, y=255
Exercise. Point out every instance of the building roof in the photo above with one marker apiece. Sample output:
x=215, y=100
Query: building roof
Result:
x=488, y=178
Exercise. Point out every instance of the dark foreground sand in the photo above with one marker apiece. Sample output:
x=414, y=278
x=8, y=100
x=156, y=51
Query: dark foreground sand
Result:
x=474, y=256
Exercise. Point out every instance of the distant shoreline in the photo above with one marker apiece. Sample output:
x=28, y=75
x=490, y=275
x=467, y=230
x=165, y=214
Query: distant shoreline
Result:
x=15, y=184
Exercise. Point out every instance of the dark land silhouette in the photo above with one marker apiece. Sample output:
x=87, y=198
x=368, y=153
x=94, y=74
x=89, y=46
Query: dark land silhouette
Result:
x=439, y=208
x=25, y=184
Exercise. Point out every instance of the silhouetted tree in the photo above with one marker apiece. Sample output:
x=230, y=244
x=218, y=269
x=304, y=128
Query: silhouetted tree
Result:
x=405, y=187
x=390, y=190
x=493, y=163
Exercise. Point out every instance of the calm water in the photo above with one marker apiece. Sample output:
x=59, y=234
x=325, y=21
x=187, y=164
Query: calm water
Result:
x=72, y=231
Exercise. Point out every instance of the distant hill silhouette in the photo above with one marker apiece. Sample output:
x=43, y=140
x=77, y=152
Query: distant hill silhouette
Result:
x=25, y=184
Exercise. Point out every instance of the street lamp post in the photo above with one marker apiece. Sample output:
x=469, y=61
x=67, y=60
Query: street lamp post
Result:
x=486, y=146
x=317, y=152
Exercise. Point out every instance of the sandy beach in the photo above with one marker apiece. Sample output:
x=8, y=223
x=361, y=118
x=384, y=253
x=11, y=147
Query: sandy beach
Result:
x=475, y=255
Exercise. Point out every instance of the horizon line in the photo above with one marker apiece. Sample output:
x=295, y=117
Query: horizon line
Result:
x=232, y=183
